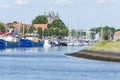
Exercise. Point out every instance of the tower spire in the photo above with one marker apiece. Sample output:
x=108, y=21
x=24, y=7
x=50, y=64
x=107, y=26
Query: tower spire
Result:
x=57, y=15
x=45, y=13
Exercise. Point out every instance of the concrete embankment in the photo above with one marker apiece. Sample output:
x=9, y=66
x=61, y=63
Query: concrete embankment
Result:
x=97, y=55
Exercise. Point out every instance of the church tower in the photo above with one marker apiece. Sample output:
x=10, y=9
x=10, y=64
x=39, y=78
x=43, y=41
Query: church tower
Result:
x=51, y=16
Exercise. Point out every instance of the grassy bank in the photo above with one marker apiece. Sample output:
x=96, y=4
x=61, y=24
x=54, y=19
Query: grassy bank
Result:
x=104, y=50
x=113, y=46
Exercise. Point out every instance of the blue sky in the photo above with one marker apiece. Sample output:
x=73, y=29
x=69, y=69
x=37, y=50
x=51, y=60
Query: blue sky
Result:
x=80, y=14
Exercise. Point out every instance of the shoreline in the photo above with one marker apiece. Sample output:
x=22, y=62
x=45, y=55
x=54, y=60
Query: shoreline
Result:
x=97, y=55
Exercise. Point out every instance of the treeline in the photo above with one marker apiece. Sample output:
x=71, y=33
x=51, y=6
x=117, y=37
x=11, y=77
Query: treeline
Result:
x=57, y=27
x=105, y=31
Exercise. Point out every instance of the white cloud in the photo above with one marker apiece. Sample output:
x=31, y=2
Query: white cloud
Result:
x=102, y=1
x=21, y=2
x=63, y=2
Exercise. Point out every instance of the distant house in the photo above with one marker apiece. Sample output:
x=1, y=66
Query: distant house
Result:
x=17, y=25
x=97, y=36
x=117, y=35
x=42, y=26
x=7, y=25
x=28, y=25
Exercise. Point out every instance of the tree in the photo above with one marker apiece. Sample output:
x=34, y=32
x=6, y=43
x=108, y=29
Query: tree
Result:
x=57, y=31
x=2, y=28
x=49, y=25
x=39, y=31
x=98, y=29
x=58, y=28
x=46, y=32
x=106, y=31
x=58, y=23
x=50, y=31
x=64, y=32
x=32, y=29
x=15, y=22
x=40, y=20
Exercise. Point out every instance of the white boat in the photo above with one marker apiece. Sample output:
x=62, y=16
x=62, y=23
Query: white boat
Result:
x=46, y=43
x=77, y=43
x=70, y=43
x=32, y=37
x=10, y=38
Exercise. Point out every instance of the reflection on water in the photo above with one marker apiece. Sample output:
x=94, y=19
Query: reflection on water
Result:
x=47, y=50
x=52, y=64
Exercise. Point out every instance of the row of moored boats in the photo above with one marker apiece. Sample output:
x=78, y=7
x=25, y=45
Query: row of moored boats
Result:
x=12, y=42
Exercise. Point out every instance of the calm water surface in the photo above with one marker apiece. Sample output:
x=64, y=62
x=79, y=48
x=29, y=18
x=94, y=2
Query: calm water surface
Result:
x=52, y=64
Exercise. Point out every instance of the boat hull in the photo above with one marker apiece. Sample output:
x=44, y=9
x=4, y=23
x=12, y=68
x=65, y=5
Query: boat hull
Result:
x=25, y=43
x=2, y=44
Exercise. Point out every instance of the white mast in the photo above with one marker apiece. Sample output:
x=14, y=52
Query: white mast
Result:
x=101, y=37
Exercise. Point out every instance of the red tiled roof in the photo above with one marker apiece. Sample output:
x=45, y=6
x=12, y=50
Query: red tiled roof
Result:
x=117, y=33
x=17, y=25
x=43, y=26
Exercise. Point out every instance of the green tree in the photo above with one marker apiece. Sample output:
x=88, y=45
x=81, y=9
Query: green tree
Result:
x=58, y=28
x=98, y=29
x=2, y=28
x=50, y=31
x=15, y=22
x=106, y=31
x=39, y=31
x=58, y=23
x=40, y=20
x=32, y=29
x=49, y=26
x=57, y=31
x=64, y=32
x=46, y=32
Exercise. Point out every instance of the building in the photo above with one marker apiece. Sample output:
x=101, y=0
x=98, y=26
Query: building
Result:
x=17, y=25
x=42, y=26
x=51, y=16
x=117, y=35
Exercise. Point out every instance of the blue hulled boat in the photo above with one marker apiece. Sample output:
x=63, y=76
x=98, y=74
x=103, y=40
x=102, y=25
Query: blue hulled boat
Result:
x=12, y=44
x=25, y=43
x=38, y=44
x=2, y=44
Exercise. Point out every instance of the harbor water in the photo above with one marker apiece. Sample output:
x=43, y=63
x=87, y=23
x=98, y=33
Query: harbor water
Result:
x=52, y=64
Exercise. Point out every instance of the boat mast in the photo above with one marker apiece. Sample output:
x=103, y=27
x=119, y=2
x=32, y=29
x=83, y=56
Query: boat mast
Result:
x=23, y=30
x=101, y=37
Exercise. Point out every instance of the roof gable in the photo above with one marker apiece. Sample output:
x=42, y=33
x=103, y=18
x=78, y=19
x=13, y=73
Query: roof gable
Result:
x=43, y=26
x=117, y=33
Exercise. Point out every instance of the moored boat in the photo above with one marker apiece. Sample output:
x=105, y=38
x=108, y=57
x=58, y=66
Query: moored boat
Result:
x=2, y=44
x=46, y=43
x=25, y=43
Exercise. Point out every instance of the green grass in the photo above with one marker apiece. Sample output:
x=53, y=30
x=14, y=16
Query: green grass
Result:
x=113, y=46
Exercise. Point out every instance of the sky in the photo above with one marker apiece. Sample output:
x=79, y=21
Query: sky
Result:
x=78, y=14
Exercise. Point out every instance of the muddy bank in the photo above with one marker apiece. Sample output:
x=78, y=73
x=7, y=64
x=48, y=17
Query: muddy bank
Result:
x=97, y=55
